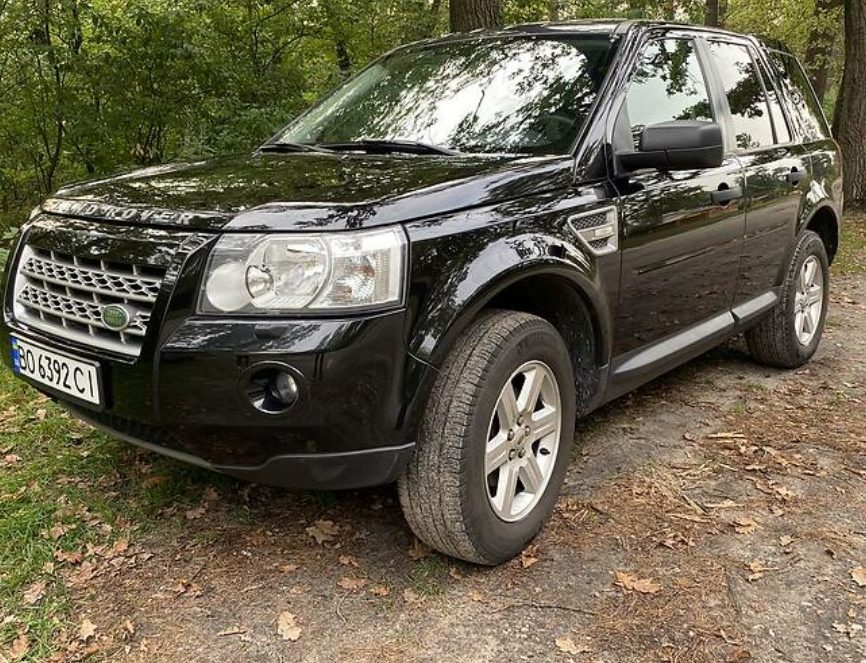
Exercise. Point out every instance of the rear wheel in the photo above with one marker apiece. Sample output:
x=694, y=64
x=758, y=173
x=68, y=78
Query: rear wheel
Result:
x=495, y=441
x=790, y=335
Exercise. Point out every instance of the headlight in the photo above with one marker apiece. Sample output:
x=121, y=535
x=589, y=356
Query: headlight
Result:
x=283, y=273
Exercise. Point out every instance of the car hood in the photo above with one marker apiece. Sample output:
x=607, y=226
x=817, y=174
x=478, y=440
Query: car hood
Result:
x=307, y=191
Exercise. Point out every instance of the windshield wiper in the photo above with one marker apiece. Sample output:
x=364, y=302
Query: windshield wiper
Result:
x=386, y=146
x=293, y=147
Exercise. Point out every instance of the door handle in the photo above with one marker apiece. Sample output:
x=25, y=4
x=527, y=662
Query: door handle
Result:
x=726, y=194
x=795, y=176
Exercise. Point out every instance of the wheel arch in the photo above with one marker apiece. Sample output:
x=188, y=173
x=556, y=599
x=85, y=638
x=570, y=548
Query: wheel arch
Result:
x=556, y=290
x=824, y=220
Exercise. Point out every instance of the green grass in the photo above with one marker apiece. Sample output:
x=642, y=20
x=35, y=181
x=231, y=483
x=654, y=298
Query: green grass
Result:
x=428, y=576
x=851, y=258
x=738, y=408
x=55, y=470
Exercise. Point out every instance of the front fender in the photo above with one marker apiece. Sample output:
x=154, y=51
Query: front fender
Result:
x=471, y=269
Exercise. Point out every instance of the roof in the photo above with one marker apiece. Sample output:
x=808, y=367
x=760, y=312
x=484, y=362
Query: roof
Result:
x=609, y=26
x=590, y=26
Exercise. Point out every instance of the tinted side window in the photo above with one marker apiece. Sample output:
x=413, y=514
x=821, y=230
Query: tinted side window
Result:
x=783, y=133
x=668, y=84
x=749, y=111
x=805, y=109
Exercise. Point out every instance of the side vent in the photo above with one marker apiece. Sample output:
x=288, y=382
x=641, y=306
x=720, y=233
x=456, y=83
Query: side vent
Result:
x=597, y=230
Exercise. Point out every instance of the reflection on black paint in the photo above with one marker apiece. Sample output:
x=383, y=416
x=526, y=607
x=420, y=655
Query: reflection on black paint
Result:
x=679, y=253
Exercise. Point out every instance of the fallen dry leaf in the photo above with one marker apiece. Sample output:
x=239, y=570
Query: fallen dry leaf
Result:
x=349, y=560
x=11, y=459
x=20, y=647
x=566, y=646
x=529, y=557
x=323, y=531
x=35, y=592
x=195, y=514
x=87, y=630
x=745, y=525
x=57, y=531
x=379, y=590
x=632, y=583
x=418, y=550
x=757, y=568
x=410, y=596
x=287, y=627
x=858, y=574
x=352, y=584
x=184, y=586
x=786, y=540
x=71, y=557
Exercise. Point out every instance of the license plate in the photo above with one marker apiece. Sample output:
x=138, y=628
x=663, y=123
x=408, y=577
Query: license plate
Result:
x=68, y=375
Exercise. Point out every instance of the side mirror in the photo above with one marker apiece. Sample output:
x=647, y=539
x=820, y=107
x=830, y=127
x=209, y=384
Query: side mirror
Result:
x=677, y=145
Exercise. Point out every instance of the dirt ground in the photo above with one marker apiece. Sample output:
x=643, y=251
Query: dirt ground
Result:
x=715, y=515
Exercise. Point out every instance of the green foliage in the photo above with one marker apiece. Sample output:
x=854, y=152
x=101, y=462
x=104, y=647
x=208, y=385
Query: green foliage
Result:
x=89, y=87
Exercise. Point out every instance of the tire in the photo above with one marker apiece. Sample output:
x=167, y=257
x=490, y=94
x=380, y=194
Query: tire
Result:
x=776, y=341
x=444, y=492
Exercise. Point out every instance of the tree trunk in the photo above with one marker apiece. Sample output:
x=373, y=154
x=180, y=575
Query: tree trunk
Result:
x=822, y=39
x=849, y=125
x=473, y=14
x=711, y=14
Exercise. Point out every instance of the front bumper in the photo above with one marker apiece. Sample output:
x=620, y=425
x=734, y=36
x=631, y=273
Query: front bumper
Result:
x=315, y=471
x=361, y=394
x=352, y=425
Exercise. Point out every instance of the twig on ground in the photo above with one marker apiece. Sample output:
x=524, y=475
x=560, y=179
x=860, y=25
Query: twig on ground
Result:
x=340, y=605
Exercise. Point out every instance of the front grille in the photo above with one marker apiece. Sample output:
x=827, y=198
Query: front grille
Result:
x=65, y=294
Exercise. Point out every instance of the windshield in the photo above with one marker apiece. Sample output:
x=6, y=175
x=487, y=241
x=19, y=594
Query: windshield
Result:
x=502, y=95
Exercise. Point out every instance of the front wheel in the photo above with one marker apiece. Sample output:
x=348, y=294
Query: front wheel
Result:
x=495, y=441
x=789, y=336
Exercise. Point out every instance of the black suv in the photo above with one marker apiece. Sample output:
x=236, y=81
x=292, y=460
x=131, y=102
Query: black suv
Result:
x=430, y=274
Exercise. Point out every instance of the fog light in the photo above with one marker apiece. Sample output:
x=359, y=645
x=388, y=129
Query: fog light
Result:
x=271, y=389
x=285, y=388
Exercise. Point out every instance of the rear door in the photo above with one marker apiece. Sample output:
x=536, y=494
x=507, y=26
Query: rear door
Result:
x=776, y=168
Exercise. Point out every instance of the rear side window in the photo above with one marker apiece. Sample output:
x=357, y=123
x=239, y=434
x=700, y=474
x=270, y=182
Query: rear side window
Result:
x=750, y=114
x=783, y=134
x=668, y=84
x=805, y=109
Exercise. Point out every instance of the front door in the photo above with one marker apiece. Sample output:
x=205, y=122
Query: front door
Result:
x=681, y=231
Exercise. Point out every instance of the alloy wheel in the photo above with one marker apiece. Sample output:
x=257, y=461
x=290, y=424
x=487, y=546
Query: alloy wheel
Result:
x=522, y=441
x=809, y=300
